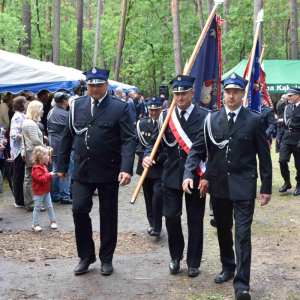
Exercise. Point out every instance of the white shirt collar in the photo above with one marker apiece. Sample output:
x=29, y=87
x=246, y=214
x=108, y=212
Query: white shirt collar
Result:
x=100, y=100
x=297, y=104
x=188, y=111
x=235, y=111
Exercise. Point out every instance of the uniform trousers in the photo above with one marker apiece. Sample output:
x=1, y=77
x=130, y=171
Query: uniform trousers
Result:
x=284, y=157
x=153, y=193
x=195, y=208
x=108, y=207
x=243, y=214
x=19, y=174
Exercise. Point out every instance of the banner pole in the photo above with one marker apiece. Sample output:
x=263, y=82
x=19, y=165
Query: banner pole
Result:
x=259, y=19
x=186, y=71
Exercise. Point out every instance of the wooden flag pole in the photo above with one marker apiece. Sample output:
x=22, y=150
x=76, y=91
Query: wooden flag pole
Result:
x=186, y=71
x=259, y=20
x=262, y=54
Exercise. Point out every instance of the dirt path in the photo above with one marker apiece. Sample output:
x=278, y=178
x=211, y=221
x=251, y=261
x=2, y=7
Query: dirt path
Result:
x=40, y=265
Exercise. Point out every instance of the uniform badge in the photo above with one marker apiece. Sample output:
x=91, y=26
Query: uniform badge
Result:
x=149, y=134
x=94, y=71
x=153, y=98
x=179, y=78
x=233, y=76
x=142, y=132
x=149, y=121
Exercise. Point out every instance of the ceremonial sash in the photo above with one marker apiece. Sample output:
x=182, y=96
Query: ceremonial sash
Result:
x=184, y=141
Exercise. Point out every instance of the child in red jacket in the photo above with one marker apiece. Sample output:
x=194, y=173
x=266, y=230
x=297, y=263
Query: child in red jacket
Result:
x=41, y=186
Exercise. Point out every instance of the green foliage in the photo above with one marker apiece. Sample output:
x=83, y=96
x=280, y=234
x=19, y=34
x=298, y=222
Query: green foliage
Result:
x=148, y=53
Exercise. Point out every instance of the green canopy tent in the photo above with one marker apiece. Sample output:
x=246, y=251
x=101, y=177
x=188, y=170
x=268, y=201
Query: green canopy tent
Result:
x=281, y=74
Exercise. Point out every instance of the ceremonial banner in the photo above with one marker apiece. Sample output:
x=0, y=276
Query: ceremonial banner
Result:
x=207, y=68
x=267, y=99
x=254, y=96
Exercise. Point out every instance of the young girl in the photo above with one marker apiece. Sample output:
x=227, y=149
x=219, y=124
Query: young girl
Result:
x=41, y=186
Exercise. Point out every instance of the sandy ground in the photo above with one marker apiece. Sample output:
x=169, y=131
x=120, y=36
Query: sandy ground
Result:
x=40, y=265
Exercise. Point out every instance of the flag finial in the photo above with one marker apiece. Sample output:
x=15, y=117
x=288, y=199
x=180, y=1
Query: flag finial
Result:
x=260, y=16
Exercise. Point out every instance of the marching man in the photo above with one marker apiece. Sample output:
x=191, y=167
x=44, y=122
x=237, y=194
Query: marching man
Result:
x=180, y=133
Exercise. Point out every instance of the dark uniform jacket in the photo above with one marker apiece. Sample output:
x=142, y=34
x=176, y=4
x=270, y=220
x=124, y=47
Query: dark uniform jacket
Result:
x=268, y=118
x=146, y=129
x=280, y=108
x=174, y=165
x=106, y=149
x=232, y=171
x=289, y=132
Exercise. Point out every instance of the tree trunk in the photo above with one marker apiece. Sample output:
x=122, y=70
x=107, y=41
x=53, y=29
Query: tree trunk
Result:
x=56, y=32
x=293, y=31
x=26, y=21
x=48, y=29
x=258, y=5
x=90, y=16
x=176, y=37
x=225, y=14
x=79, y=35
x=209, y=7
x=97, y=35
x=120, y=44
x=3, y=6
x=200, y=10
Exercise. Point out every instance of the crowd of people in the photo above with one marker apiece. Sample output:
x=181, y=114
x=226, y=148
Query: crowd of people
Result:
x=201, y=152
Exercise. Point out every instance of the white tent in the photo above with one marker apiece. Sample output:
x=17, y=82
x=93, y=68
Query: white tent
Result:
x=18, y=73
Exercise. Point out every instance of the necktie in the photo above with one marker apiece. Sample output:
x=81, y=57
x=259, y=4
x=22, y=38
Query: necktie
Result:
x=231, y=122
x=182, y=118
x=155, y=124
x=95, y=107
x=294, y=106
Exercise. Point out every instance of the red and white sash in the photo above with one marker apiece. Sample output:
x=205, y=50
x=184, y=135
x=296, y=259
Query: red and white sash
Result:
x=184, y=141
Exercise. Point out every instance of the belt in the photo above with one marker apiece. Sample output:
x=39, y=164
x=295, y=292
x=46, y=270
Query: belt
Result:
x=293, y=130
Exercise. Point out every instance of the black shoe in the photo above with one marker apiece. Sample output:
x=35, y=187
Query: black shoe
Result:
x=242, y=295
x=56, y=201
x=175, y=265
x=287, y=185
x=224, y=276
x=297, y=190
x=66, y=201
x=1, y=230
x=193, y=272
x=83, y=265
x=213, y=222
x=150, y=229
x=107, y=269
x=211, y=213
x=1, y=218
x=155, y=233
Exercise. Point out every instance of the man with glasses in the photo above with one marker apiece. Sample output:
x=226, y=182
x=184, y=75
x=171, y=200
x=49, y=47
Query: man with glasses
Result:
x=288, y=140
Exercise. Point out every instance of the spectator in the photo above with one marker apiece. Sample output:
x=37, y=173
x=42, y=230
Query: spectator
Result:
x=2, y=150
x=166, y=104
x=56, y=120
x=20, y=107
x=138, y=105
x=43, y=96
x=41, y=187
x=4, y=108
x=119, y=92
x=31, y=137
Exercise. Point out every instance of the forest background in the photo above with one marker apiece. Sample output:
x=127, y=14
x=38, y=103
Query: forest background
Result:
x=64, y=31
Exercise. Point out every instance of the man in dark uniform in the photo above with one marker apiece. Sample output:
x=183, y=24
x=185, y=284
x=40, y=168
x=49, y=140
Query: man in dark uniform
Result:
x=152, y=186
x=233, y=136
x=288, y=138
x=190, y=118
x=104, y=154
x=280, y=107
x=268, y=118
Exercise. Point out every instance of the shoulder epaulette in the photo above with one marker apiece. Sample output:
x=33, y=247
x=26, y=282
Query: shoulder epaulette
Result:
x=205, y=109
x=117, y=98
x=213, y=111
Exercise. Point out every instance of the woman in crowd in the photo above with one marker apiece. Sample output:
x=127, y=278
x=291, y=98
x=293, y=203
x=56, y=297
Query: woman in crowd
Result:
x=20, y=107
x=31, y=137
x=4, y=108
